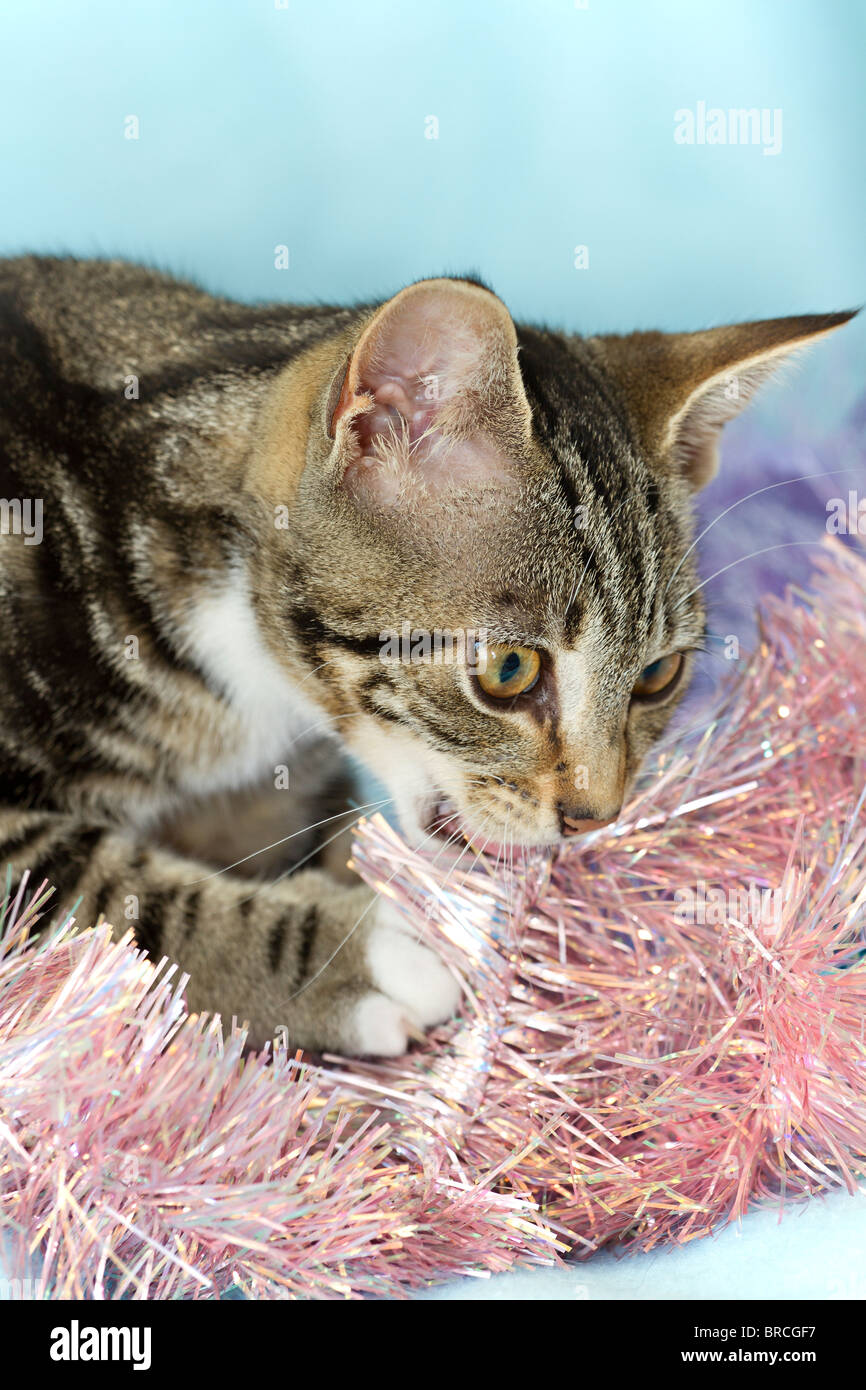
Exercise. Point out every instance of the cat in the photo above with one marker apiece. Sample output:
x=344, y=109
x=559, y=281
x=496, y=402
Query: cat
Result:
x=238, y=505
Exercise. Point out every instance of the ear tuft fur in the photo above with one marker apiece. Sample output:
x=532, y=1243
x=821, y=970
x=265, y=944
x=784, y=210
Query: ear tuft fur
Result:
x=431, y=395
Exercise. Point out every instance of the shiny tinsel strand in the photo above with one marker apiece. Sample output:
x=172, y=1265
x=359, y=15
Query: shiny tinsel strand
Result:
x=622, y=1071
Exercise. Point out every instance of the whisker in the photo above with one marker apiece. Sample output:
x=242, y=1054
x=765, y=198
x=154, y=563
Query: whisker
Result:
x=429, y=836
x=324, y=966
x=317, y=849
x=783, y=545
x=463, y=830
x=803, y=478
x=216, y=873
x=318, y=668
x=705, y=651
x=512, y=887
x=321, y=724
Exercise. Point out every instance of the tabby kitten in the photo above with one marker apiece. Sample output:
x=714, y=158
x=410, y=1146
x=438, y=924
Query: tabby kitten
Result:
x=237, y=506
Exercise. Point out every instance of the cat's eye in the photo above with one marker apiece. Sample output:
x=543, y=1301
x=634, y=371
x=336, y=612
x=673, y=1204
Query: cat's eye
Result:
x=504, y=672
x=658, y=678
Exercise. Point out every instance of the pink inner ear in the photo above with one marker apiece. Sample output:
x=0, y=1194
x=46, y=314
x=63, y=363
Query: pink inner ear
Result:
x=426, y=348
x=431, y=469
x=429, y=350
x=397, y=407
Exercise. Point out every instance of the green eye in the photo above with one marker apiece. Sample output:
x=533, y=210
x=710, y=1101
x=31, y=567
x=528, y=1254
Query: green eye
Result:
x=508, y=671
x=658, y=677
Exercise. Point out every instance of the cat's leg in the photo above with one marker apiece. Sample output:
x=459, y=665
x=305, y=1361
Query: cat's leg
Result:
x=332, y=964
x=267, y=828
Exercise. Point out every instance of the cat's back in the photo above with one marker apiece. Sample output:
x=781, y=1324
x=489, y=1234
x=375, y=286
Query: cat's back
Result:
x=123, y=387
x=127, y=399
x=98, y=321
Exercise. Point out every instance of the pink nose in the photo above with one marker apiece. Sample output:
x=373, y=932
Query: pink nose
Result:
x=582, y=827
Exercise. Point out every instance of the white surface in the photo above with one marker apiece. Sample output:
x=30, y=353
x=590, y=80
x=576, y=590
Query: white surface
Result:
x=817, y=1251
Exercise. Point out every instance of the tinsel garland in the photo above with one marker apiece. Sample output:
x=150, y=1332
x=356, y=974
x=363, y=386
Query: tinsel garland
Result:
x=663, y=1025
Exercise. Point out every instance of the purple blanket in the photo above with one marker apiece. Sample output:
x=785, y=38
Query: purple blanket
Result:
x=769, y=540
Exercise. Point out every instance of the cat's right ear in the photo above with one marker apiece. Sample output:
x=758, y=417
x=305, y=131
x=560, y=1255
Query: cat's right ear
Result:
x=430, y=397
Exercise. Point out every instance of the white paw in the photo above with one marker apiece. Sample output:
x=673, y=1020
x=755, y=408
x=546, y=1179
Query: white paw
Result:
x=413, y=975
x=387, y=914
x=380, y=1027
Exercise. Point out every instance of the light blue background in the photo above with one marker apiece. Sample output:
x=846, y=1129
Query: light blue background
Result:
x=305, y=126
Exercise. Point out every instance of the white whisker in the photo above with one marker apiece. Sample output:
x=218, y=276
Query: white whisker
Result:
x=317, y=849
x=318, y=668
x=803, y=478
x=216, y=873
x=323, y=967
x=783, y=545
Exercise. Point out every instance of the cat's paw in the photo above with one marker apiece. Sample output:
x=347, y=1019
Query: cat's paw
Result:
x=413, y=989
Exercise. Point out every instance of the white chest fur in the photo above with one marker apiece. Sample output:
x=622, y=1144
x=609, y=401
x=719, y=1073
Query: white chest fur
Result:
x=271, y=717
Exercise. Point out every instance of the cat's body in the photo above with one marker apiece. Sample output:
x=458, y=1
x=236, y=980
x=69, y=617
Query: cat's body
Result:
x=236, y=504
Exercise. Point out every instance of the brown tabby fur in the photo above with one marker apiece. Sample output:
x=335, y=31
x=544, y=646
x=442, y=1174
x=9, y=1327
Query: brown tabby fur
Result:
x=554, y=511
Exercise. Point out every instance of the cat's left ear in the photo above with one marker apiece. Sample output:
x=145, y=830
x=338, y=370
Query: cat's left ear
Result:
x=682, y=388
x=431, y=392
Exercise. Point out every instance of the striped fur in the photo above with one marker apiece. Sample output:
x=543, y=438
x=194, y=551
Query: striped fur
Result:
x=205, y=609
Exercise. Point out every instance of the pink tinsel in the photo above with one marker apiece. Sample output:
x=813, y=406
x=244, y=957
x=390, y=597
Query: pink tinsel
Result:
x=620, y=1072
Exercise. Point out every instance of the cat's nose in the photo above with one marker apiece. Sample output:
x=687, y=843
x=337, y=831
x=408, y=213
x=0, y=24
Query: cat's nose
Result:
x=579, y=822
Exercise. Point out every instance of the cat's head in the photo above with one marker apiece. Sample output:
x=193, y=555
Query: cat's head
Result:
x=492, y=574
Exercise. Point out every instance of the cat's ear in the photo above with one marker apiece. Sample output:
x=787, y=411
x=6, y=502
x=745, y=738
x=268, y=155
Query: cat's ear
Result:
x=431, y=392
x=682, y=388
